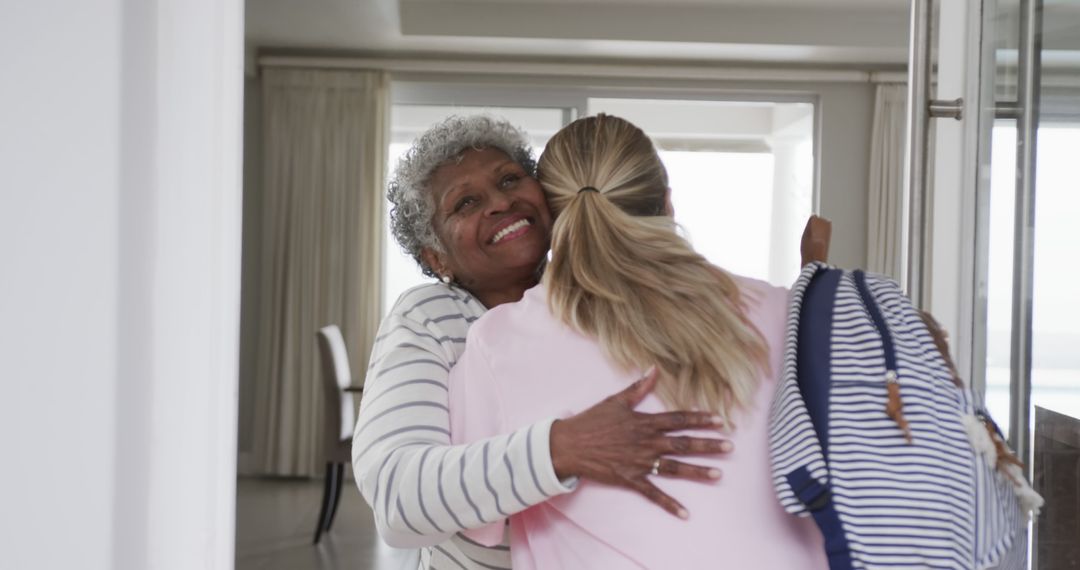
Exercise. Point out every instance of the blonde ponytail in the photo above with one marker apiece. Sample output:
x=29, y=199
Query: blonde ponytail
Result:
x=619, y=271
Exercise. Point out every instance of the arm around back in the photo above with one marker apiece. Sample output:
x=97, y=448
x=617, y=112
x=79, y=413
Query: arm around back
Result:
x=421, y=488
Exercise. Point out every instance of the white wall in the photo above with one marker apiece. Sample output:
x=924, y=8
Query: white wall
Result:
x=846, y=115
x=119, y=233
x=59, y=281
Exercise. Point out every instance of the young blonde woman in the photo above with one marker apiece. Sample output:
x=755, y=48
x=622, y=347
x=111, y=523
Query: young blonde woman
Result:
x=623, y=292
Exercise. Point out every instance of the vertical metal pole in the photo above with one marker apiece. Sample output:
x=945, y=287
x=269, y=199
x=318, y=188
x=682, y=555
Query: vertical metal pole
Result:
x=983, y=96
x=918, y=126
x=1028, y=69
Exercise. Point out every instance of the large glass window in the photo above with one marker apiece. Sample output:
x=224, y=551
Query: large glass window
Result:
x=741, y=174
x=1055, y=369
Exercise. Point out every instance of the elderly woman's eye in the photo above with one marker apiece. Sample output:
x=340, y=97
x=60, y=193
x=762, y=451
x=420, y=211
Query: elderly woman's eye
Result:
x=509, y=180
x=463, y=203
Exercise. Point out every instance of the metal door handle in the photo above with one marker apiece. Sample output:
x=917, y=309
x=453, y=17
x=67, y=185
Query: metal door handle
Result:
x=921, y=108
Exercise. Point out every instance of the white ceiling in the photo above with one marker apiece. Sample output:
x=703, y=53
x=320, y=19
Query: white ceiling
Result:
x=860, y=33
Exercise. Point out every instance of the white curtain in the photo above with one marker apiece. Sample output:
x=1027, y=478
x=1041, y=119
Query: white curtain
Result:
x=325, y=141
x=886, y=197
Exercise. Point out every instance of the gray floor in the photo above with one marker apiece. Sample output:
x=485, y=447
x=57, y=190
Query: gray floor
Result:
x=275, y=523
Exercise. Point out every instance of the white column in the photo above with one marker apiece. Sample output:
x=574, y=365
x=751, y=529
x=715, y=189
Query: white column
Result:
x=59, y=263
x=119, y=295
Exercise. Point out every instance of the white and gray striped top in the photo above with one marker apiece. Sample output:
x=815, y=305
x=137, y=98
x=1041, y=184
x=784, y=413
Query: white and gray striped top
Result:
x=422, y=489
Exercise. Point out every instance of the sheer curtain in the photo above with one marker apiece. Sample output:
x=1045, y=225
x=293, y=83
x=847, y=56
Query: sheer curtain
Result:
x=885, y=200
x=325, y=140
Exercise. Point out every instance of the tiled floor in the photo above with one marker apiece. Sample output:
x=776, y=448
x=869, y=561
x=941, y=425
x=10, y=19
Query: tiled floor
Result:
x=275, y=522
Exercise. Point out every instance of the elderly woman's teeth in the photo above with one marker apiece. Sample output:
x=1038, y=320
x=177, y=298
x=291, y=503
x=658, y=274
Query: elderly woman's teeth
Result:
x=509, y=229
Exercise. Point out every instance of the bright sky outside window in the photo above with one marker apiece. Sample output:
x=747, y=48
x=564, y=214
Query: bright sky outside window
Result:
x=1056, y=317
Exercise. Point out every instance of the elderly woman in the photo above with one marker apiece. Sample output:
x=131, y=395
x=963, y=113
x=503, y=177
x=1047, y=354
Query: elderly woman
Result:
x=468, y=208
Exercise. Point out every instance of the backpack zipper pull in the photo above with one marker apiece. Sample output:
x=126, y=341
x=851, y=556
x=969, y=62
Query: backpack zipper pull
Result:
x=895, y=407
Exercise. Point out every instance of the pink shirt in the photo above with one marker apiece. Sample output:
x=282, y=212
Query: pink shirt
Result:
x=521, y=365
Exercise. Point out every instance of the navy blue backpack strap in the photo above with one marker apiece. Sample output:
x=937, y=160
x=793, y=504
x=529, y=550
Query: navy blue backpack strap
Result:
x=871, y=305
x=818, y=499
x=814, y=380
x=814, y=356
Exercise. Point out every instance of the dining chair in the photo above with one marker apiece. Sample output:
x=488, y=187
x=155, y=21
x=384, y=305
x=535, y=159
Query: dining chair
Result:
x=339, y=419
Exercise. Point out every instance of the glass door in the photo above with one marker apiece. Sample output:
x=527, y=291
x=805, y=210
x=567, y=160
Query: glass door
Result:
x=1028, y=244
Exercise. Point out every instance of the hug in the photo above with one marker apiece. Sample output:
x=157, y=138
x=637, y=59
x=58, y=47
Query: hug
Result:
x=579, y=369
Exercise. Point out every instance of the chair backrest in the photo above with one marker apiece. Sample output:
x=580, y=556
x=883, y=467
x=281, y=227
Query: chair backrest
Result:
x=340, y=416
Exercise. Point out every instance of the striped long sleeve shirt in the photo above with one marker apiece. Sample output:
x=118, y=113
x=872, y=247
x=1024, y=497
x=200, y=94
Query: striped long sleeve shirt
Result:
x=422, y=489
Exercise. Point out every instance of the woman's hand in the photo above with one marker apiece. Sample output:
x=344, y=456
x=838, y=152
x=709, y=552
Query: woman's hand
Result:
x=815, y=240
x=610, y=443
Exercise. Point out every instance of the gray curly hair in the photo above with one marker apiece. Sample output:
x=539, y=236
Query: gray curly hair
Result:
x=408, y=192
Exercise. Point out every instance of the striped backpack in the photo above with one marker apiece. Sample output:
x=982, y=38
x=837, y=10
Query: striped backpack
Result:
x=873, y=436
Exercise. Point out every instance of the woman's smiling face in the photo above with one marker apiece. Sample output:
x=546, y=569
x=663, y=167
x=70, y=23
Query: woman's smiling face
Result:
x=492, y=220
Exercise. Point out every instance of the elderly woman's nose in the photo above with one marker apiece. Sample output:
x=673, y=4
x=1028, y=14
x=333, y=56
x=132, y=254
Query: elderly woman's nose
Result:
x=498, y=201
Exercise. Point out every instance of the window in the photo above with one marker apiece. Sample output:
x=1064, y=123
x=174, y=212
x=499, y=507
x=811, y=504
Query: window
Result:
x=741, y=172
x=1055, y=368
x=741, y=176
